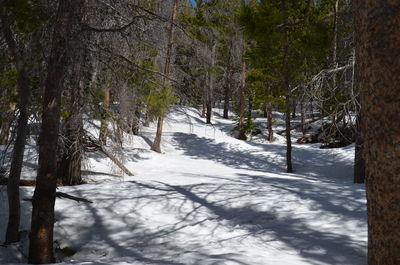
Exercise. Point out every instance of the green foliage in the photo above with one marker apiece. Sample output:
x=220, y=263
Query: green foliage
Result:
x=68, y=251
x=28, y=14
x=155, y=98
x=270, y=28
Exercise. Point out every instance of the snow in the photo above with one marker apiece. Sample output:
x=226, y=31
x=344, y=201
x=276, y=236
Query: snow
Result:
x=207, y=199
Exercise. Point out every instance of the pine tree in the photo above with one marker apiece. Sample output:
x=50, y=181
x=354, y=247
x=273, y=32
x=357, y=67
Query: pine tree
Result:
x=378, y=63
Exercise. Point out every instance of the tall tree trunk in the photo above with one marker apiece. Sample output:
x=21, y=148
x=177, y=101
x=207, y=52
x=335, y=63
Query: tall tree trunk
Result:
x=42, y=225
x=227, y=91
x=378, y=66
x=269, y=122
x=286, y=86
x=156, y=146
x=210, y=88
x=71, y=162
x=104, y=116
x=12, y=234
x=242, y=134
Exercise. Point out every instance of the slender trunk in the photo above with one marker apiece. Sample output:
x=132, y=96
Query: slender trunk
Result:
x=294, y=109
x=334, y=64
x=104, y=116
x=209, y=102
x=269, y=122
x=286, y=86
x=242, y=134
x=43, y=201
x=156, y=146
x=227, y=91
x=157, y=140
x=289, y=168
x=377, y=37
x=12, y=234
x=226, y=102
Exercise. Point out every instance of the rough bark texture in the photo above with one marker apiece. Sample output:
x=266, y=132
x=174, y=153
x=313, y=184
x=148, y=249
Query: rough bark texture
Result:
x=12, y=234
x=42, y=226
x=156, y=146
x=378, y=58
x=242, y=87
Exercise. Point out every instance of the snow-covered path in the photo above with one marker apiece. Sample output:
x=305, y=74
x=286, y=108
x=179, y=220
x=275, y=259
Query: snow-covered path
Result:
x=212, y=199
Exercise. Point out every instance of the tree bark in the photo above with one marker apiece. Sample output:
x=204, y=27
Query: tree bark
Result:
x=104, y=116
x=42, y=225
x=12, y=234
x=242, y=134
x=227, y=91
x=210, y=88
x=156, y=146
x=378, y=66
x=286, y=86
x=269, y=122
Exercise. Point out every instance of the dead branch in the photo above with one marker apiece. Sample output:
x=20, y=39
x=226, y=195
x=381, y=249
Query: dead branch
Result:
x=67, y=196
x=64, y=195
x=92, y=145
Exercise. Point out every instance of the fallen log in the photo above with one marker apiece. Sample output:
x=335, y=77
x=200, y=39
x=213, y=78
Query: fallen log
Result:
x=92, y=145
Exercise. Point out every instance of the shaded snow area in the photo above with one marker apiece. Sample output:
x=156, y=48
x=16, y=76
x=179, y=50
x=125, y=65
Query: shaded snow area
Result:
x=208, y=199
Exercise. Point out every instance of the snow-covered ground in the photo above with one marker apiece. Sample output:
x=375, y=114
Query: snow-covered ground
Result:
x=207, y=199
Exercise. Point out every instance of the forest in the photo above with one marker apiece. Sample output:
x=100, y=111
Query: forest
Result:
x=200, y=132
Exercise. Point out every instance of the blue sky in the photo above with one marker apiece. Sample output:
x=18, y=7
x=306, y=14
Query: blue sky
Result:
x=193, y=2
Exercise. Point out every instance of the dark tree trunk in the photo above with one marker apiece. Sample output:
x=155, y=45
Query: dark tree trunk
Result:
x=294, y=109
x=228, y=81
x=71, y=162
x=286, y=86
x=242, y=134
x=226, y=101
x=269, y=122
x=42, y=225
x=377, y=73
x=210, y=89
x=12, y=234
x=289, y=167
